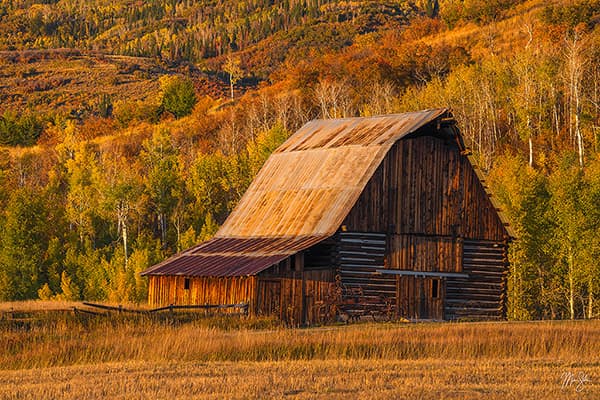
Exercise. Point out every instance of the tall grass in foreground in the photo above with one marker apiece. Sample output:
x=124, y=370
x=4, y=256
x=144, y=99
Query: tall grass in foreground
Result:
x=68, y=341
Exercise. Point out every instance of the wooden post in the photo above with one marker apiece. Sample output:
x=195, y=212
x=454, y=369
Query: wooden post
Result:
x=299, y=261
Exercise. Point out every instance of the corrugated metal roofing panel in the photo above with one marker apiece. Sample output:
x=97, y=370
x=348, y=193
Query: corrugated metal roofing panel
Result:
x=232, y=256
x=331, y=133
x=303, y=193
x=309, y=183
x=217, y=265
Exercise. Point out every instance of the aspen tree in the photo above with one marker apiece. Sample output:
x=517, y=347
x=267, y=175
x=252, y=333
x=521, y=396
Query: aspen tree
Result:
x=575, y=69
x=233, y=69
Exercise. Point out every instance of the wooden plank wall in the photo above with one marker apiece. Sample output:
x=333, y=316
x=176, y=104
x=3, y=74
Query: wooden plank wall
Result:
x=319, y=292
x=291, y=299
x=415, y=300
x=166, y=290
x=426, y=187
x=427, y=197
x=301, y=294
x=424, y=253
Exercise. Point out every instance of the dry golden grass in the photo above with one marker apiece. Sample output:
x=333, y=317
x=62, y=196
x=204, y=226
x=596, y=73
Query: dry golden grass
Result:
x=51, y=84
x=504, y=36
x=316, y=379
x=67, y=342
x=78, y=357
x=38, y=305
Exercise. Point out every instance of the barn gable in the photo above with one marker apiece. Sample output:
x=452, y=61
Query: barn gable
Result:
x=343, y=203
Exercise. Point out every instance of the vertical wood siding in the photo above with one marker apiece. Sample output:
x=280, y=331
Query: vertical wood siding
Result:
x=425, y=253
x=426, y=187
x=318, y=292
x=166, y=290
x=415, y=299
x=294, y=297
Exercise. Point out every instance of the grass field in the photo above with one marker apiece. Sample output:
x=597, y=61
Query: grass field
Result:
x=138, y=358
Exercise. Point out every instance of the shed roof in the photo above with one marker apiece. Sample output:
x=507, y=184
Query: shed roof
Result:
x=231, y=256
x=300, y=196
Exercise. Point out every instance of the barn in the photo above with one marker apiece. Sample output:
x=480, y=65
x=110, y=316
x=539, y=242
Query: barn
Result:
x=382, y=216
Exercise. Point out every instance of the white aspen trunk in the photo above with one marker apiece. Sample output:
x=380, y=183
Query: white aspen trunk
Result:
x=122, y=210
x=542, y=299
x=590, y=310
x=571, y=285
x=580, y=144
x=125, y=244
x=576, y=66
x=517, y=293
x=162, y=224
x=178, y=230
x=530, y=141
x=555, y=112
x=530, y=151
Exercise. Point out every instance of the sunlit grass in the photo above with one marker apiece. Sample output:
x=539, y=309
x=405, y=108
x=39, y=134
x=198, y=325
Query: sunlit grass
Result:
x=301, y=379
x=63, y=355
x=70, y=340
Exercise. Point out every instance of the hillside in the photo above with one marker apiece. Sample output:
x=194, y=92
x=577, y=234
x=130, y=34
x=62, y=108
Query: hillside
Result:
x=122, y=143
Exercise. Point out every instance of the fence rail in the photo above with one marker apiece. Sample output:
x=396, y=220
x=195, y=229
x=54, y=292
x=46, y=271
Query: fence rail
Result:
x=172, y=307
x=97, y=309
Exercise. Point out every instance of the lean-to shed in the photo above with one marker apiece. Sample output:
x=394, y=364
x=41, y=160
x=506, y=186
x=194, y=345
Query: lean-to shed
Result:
x=382, y=215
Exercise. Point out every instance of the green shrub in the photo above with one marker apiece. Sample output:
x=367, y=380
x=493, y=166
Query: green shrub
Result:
x=20, y=130
x=178, y=95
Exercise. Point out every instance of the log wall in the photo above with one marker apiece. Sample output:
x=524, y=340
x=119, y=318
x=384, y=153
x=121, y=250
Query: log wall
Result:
x=360, y=256
x=481, y=296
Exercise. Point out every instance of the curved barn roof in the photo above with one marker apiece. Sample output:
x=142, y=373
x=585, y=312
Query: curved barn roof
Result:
x=300, y=196
x=310, y=183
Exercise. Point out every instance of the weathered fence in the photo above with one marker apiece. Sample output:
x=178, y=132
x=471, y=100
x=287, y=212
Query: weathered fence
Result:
x=27, y=317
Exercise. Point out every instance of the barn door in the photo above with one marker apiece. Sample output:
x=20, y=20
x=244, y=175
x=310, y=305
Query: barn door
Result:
x=269, y=297
x=420, y=297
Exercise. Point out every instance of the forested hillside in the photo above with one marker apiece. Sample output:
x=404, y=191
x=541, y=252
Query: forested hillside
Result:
x=129, y=130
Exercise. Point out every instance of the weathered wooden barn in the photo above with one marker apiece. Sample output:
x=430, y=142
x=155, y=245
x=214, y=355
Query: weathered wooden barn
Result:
x=384, y=215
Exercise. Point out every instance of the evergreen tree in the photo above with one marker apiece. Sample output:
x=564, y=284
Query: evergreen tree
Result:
x=178, y=95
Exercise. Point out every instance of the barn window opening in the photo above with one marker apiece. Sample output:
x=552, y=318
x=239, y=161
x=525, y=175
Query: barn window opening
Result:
x=435, y=288
x=186, y=284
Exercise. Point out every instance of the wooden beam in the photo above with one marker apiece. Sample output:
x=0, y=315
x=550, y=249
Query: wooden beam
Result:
x=421, y=273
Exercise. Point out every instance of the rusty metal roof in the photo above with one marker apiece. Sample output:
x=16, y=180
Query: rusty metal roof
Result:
x=232, y=256
x=310, y=183
x=371, y=131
